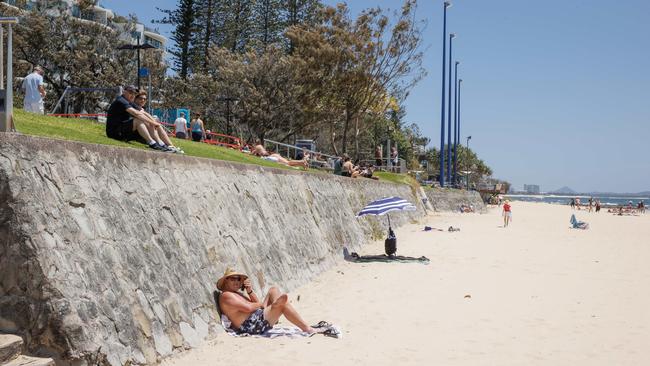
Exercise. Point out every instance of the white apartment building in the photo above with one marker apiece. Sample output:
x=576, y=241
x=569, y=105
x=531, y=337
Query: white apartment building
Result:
x=101, y=15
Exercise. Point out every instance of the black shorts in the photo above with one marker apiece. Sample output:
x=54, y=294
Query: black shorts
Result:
x=197, y=136
x=124, y=132
x=346, y=174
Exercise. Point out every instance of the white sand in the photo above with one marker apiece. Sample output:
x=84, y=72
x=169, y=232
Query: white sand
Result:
x=541, y=294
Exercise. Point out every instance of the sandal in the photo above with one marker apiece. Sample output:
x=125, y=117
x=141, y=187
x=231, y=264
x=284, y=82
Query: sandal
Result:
x=322, y=324
x=332, y=332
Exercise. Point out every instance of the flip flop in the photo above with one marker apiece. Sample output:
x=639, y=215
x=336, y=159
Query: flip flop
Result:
x=332, y=332
x=322, y=324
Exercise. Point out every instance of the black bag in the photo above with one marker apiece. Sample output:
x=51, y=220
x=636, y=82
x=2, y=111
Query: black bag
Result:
x=390, y=244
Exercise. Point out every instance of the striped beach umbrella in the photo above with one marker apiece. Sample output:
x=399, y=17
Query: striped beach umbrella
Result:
x=384, y=206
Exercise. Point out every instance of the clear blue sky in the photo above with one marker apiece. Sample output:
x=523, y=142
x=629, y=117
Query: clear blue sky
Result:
x=555, y=93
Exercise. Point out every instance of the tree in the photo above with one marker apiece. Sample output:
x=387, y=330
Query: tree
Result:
x=184, y=21
x=360, y=65
x=73, y=53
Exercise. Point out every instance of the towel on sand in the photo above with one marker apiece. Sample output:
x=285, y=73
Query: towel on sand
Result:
x=280, y=331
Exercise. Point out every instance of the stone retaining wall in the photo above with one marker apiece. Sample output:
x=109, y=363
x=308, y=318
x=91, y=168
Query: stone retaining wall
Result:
x=452, y=199
x=110, y=255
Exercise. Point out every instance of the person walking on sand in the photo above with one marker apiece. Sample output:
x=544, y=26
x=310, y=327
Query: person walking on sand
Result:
x=507, y=213
x=248, y=314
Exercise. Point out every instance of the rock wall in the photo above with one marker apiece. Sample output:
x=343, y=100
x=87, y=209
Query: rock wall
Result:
x=110, y=255
x=452, y=199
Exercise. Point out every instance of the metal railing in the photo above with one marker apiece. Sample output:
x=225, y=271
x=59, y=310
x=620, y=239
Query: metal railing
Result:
x=292, y=152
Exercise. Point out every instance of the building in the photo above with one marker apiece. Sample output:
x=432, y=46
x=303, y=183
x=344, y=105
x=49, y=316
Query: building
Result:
x=531, y=188
x=135, y=34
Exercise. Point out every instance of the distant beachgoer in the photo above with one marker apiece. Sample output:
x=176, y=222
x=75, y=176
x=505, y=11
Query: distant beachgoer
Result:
x=591, y=203
x=394, y=157
x=249, y=315
x=197, y=129
x=348, y=169
x=34, y=92
x=180, y=127
x=573, y=203
x=597, y=205
x=578, y=203
x=507, y=213
x=378, y=156
x=641, y=207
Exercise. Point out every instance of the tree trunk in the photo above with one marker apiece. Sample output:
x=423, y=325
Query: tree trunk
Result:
x=346, y=125
x=356, y=138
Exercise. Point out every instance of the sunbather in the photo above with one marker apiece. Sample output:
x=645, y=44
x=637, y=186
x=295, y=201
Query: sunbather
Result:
x=578, y=224
x=260, y=151
x=250, y=315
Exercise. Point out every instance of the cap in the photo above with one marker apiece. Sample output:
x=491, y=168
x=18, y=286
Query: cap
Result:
x=131, y=88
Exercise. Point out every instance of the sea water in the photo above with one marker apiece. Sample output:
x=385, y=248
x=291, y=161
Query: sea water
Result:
x=605, y=200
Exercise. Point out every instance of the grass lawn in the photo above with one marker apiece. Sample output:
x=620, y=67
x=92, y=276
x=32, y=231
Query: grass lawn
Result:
x=84, y=130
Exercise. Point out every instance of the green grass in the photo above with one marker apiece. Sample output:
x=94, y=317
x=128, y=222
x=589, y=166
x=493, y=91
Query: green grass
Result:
x=83, y=130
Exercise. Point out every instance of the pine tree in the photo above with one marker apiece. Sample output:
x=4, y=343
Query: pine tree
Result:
x=268, y=26
x=183, y=18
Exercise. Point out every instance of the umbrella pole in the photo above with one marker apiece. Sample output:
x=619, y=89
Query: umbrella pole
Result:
x=387, y=215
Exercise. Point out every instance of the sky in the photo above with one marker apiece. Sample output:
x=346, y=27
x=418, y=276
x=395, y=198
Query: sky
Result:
x=555, y=93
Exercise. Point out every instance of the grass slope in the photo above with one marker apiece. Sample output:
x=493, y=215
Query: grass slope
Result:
x=83, y=130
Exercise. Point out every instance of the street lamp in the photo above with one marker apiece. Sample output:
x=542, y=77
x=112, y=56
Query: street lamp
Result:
x=137, y=47
x=451, y=37
x=467, y=159
x=7, y=95
x=456, y=123
x=455, y=178
x=446, y=5
x=227, y=100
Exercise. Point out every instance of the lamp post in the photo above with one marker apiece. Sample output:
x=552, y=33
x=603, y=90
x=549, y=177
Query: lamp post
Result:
x=457, y=123
x=442, y=105
x=227, y=100
x=136, y=47
x=6, y=114
x=451, y=37
x=467, y=161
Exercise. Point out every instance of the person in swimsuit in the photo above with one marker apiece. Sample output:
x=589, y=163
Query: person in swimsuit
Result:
x=507, y=213
x=247, y=313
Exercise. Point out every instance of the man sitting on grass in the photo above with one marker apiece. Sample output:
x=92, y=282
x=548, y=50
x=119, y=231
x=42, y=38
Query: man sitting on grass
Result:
x=248, y=314
x=125, y=123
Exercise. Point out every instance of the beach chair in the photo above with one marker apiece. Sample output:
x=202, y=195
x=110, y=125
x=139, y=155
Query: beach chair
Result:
x=578, y=224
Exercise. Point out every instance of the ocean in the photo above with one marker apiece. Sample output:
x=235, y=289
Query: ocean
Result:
x=605, y=200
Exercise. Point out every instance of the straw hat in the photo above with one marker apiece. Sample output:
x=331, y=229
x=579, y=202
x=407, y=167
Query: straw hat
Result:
x=229, y=272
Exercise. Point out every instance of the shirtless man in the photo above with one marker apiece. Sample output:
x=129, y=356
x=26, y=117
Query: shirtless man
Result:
x=349, y=168
x=250, y=315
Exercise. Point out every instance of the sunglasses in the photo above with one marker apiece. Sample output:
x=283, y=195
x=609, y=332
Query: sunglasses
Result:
x=141, y=98
x=236, y=278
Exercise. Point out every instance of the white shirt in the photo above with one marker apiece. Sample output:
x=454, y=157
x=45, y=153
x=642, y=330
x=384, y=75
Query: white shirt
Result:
x=181, y=125
x=30, y=86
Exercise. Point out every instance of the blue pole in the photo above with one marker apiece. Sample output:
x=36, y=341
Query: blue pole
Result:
x=455, y=178
x=460, y=83
x=451, y=37
x=442, y=105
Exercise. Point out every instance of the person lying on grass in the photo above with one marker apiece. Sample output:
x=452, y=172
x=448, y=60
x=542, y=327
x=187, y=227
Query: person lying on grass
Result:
x=260, y=151
x=250, y=315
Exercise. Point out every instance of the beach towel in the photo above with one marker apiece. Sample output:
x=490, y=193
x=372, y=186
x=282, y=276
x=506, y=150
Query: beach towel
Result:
x=578, y=224
x=354, y=257
x=281, y=331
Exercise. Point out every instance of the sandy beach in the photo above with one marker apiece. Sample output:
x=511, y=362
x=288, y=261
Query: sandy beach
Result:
x=535, y=293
